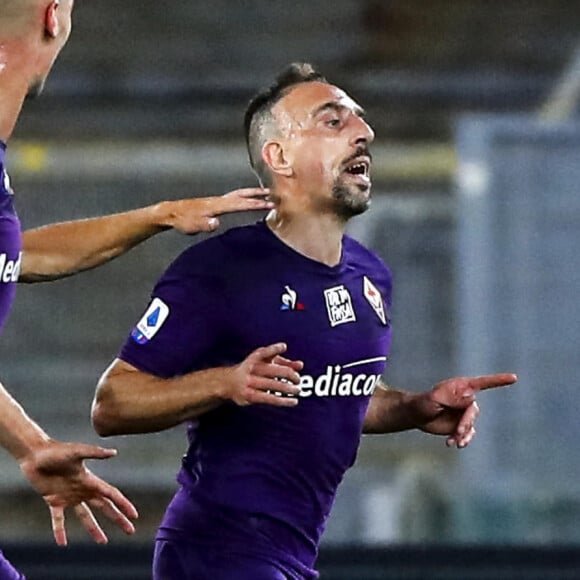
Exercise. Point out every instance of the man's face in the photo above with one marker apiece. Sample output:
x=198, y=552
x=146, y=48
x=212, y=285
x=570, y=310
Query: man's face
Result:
x=54, y=41
x=327, y=143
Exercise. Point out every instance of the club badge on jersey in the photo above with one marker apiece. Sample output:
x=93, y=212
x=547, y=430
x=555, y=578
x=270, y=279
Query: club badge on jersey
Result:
x=151, y=322
x=375, y=299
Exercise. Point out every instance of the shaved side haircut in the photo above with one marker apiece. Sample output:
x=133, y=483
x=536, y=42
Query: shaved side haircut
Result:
x=259, y=123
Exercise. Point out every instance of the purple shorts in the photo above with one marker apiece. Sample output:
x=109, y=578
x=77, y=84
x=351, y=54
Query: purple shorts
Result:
x=7, y=571
x=188, y=561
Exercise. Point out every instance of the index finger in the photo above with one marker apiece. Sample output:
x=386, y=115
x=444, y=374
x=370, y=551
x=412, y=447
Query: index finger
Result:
x=249, y=192
x=83, y=451
x=247, y=199
x=493, y=381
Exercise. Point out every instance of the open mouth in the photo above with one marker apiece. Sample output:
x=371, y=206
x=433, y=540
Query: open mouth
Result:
x=359, y=168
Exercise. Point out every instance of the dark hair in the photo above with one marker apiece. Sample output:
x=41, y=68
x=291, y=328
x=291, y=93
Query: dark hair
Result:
x=259, y=110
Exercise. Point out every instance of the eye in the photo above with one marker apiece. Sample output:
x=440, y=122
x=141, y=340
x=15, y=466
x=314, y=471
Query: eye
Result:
x=334, y=122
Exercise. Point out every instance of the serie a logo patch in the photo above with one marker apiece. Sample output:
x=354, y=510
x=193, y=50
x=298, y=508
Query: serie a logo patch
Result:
x=151, y=322
x=339, y=306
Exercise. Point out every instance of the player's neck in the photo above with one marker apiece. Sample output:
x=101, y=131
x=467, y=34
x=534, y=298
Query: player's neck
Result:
x=315, y=236
x=13, y=86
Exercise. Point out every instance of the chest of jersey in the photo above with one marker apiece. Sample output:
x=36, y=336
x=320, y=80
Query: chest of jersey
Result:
x=333, y=323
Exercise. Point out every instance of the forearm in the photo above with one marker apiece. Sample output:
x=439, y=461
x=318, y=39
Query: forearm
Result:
x=129, y=401
x=391, y=410
x=19, y=434
x=60, y=250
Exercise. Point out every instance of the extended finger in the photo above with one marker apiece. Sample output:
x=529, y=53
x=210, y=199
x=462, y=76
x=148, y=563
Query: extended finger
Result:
x=246, y=192
x=107, y=491
x=267, y=398
x=297, y=365
x=111, y=511
x=83, y=451
x=90, y=524
x=58, y=528
x=274, y=371
x=243, y=200
x=267, y=353
x=492, y=381
x=275, y=385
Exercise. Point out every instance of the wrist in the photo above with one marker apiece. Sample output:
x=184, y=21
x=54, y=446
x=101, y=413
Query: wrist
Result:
x=163, y=215
x=224, y=383
x=25, y=450
x=425, y=408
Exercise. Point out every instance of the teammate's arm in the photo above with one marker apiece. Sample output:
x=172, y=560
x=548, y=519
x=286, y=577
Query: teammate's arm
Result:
x=59, y=250
x=57, y=471
x=129, y=401
x=449, y=408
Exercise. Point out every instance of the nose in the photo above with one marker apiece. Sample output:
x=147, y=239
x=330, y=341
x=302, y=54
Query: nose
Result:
x=363, y=132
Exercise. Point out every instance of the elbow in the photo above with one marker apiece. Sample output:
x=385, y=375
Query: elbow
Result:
x=101, y=420
x=105, y=413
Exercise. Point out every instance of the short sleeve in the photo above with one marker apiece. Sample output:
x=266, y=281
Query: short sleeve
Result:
x=179, y=328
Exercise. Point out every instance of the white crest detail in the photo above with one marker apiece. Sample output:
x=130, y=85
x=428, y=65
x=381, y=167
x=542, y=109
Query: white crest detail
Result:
x=153, y=319
x=375, y=299
x=289, y=298
x=339, y=305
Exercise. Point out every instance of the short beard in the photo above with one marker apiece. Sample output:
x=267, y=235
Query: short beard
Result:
x=348, y=204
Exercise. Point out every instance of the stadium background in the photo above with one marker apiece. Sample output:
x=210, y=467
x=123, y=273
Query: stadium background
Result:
x=476, y=211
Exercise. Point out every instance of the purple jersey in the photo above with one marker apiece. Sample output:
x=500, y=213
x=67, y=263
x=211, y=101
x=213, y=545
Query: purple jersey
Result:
x=10, y=242
x=220, y=300
x=7, y=571
x=10, y=256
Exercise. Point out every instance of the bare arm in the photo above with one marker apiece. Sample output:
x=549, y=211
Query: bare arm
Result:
x=57, y=471
x=448, y=409
x=58, y=250
x=131, y=401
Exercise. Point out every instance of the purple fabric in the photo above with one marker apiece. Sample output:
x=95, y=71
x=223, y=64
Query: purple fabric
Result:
x=220, y=300
x=7, y=571
x=185, y=561
x=10, y=257
x=10, y=242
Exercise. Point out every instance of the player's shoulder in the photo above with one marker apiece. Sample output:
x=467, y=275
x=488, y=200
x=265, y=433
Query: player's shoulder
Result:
x=219, y=251
x=363, y=257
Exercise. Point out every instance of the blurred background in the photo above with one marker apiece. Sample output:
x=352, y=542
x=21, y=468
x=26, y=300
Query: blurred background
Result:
x=476, y=210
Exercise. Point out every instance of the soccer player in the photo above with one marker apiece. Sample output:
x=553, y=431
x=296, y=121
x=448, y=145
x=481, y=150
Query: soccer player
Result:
x=32, y=33
x=270, y=341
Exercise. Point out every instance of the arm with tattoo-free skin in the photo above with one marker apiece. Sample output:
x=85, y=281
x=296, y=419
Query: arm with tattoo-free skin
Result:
x=59, y=250
x=449, y=408
x=131, y=401
x=57, y=471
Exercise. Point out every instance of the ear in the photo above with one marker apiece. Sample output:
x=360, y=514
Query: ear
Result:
x=51, y=25
x=275, y=158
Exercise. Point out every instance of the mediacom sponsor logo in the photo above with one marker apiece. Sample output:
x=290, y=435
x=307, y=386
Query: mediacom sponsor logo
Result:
x=336, y=383
x=9, y=269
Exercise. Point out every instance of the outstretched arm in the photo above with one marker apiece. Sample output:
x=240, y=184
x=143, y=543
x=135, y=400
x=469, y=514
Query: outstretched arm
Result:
x=57, y=471
x=450, y=408
x=131, y=401
x=59, y=250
